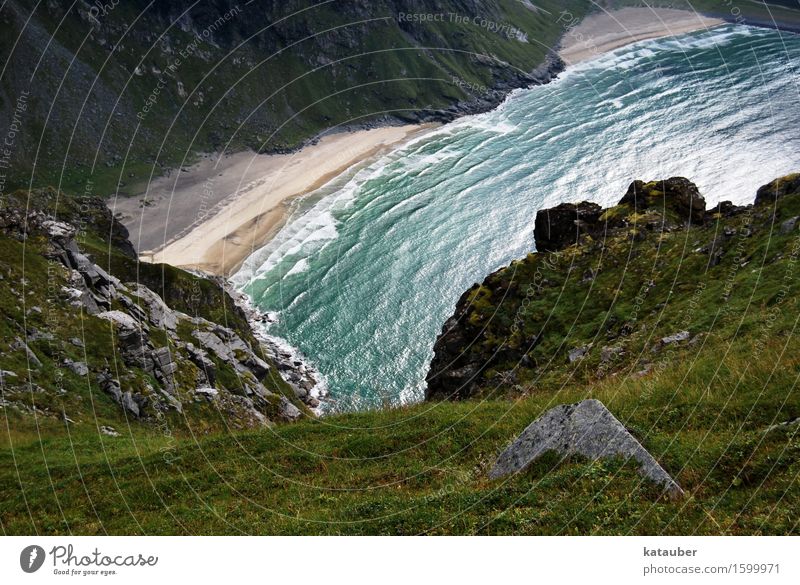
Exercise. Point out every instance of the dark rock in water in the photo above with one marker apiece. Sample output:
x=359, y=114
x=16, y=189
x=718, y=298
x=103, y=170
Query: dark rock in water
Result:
x=676, y=193
x=588, y=429
x=561, y=226
x=778, y=188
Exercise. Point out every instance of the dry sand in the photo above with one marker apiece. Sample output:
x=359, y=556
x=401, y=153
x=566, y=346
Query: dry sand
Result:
x=212, y=216
x=606, y=31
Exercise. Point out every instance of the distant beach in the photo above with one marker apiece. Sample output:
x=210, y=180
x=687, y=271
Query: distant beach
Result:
x=213, y=215
x=603, y=32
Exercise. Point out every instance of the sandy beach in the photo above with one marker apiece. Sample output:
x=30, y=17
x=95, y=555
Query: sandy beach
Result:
x=606, y=31
x=213, y=215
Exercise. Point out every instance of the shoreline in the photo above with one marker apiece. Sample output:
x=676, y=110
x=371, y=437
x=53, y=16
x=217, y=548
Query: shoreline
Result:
x=604, y=32
x=246, y=197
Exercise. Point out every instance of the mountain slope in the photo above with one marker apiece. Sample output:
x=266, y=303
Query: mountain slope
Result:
x=86, y=338
x=145, y=84
x=721, y=413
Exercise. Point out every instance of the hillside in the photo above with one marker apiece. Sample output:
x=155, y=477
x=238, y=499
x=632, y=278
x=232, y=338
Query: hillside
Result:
x=92, y=337
x=145, y=85
x=782, y=14
x=99, y=101
x=612, y=291
x=680, y=319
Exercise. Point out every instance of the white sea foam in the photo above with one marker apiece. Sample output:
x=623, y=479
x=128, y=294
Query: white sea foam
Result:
x=630, y=56
x=308, y=232
x=301, y=266
x=454, y=204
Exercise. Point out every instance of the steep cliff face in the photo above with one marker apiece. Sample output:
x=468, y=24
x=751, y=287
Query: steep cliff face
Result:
x=622, y=291
x=86, y=339
x=146, y=83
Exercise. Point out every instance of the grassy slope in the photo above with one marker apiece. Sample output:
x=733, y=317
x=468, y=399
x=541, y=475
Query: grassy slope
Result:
x=703, y=411
x=648, y=283
x=423, y=469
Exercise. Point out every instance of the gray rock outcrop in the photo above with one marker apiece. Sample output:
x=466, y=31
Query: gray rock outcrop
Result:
x=159, y=314
x=228, y=365
x=788, y=225
x=587, y=428
x=578, y=353
x=33, y=360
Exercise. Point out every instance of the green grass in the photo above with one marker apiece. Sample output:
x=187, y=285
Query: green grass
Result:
x=273, y=93
x=643, y=289
x=34, y=307
x=705, y=410
x=423, y=469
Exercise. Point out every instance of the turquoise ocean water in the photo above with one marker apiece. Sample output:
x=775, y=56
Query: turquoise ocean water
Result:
x=367, y=270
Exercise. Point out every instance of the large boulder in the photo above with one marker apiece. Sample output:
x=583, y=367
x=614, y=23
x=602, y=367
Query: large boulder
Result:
x=561, y=226
x=676, y=193
x=122, y=320
x=588, y=429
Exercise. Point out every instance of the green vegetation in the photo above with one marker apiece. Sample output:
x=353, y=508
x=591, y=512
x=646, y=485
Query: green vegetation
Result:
x=57, y=354
x=719, y=409
x=257, y=80
x=423, y=469
x=709, y=409
x=116, y=100
x=730, y=282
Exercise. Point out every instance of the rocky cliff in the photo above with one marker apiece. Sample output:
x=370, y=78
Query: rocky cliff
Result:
x=87, y=336
x=618, y=291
